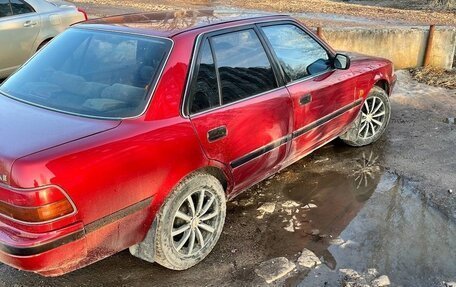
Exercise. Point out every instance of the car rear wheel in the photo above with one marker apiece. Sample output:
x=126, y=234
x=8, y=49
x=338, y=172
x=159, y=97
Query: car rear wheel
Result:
x=41, y=46
x=190, y=222
x=372, y=120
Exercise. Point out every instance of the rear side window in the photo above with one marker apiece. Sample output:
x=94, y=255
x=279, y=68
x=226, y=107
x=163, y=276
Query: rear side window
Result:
x=5, y=8
x=205, y=91
x=20, y=7
x=243, y=65
x=298, y=53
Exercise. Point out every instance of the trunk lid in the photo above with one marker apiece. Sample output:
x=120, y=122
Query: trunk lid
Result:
x=26, y=129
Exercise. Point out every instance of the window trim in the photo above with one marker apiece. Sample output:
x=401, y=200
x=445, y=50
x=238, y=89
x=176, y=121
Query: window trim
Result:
x=324, y=45
x=194, y=68
x=22, y=14
x=196, y=72
x=217, y=72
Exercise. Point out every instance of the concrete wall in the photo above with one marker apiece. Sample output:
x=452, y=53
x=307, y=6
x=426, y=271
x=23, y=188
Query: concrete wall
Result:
x=404, y=46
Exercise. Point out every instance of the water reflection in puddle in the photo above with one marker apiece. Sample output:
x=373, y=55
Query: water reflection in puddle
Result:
x=358, y=218
x=399, y=235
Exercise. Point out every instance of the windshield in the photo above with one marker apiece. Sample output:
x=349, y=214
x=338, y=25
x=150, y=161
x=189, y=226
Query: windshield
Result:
x=91, y=73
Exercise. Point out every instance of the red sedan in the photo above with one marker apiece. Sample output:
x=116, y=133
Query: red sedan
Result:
x=133, y=131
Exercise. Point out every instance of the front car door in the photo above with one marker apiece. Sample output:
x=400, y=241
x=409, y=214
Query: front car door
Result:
x=323, y=97
x=19, y=28
x=240, y=111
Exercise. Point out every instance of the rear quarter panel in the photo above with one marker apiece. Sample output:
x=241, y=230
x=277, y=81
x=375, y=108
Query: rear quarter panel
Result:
x=110, y=171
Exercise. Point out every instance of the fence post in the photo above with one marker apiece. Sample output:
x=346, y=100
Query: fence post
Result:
x=319, y=32
x=430, y=40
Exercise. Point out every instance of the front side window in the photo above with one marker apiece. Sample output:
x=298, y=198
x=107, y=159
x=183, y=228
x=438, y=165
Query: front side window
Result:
x=91, y=73
x=5, y=8
x=243, y=65
x=204, y=93
x=299, y=54
x=20, y=7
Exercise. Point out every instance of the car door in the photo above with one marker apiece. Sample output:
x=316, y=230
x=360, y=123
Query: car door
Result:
x=323, y=97
x=241, y=114
x=19, y=28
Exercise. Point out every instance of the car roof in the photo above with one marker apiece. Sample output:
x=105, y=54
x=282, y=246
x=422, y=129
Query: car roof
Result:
x=172, y=23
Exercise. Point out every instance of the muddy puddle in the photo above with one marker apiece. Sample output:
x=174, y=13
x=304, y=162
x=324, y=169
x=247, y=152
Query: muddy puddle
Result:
x=357, y=216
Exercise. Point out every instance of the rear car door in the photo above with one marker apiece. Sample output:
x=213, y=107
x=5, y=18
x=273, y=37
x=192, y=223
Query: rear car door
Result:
x=241, y=114
x=323, y=97
x=19, y=28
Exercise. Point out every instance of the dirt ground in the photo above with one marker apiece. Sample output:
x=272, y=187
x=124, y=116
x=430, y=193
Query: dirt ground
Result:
x=312, y=12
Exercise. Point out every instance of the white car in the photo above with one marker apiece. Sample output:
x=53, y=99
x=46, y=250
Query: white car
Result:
x=27, y=25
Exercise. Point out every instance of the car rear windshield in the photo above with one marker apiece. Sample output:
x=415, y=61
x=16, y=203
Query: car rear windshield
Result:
x=92, y=73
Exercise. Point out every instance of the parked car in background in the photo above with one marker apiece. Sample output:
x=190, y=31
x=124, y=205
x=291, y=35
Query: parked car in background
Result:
x=133, y=131
x=27, y=25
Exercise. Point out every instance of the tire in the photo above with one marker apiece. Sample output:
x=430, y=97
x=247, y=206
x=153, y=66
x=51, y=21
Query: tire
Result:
x=168, y=249
x=43, y=44
x=372, y=120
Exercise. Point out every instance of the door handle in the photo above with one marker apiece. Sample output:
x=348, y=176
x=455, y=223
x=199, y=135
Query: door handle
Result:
x=29, y=24
x=217, y=133
x=305, y=99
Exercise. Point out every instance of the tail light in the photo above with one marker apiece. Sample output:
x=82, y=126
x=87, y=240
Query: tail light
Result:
x=38, y=205
x=84, y=13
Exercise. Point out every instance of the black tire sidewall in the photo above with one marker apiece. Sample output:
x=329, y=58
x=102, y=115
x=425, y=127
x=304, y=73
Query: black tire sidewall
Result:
x=380, y=93
x=165, y=253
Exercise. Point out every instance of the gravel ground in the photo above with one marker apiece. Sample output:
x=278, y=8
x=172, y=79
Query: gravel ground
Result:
x=312, y=9
x=414, y=17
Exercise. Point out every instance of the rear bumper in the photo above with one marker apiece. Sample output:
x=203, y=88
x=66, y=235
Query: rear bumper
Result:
x=61, y=251
x=393, y=83
x=51, y=254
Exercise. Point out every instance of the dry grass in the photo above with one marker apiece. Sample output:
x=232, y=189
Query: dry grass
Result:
x=435, y=77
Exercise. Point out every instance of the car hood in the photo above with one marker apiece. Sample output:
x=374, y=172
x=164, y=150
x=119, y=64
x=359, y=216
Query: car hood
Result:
x=26, y=129
x=358, y=57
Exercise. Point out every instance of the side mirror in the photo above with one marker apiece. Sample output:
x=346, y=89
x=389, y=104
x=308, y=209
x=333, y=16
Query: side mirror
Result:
x=341, y=62
x=319, y=66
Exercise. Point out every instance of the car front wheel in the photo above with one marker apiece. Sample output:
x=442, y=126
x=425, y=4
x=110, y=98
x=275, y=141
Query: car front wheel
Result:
x=188, y=224
x=372, y=120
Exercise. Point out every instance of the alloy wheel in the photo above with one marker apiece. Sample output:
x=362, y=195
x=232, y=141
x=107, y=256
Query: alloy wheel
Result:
x=195, y=222
x=372, y=117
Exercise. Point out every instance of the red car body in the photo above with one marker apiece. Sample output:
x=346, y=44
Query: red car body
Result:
x=117, y=173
